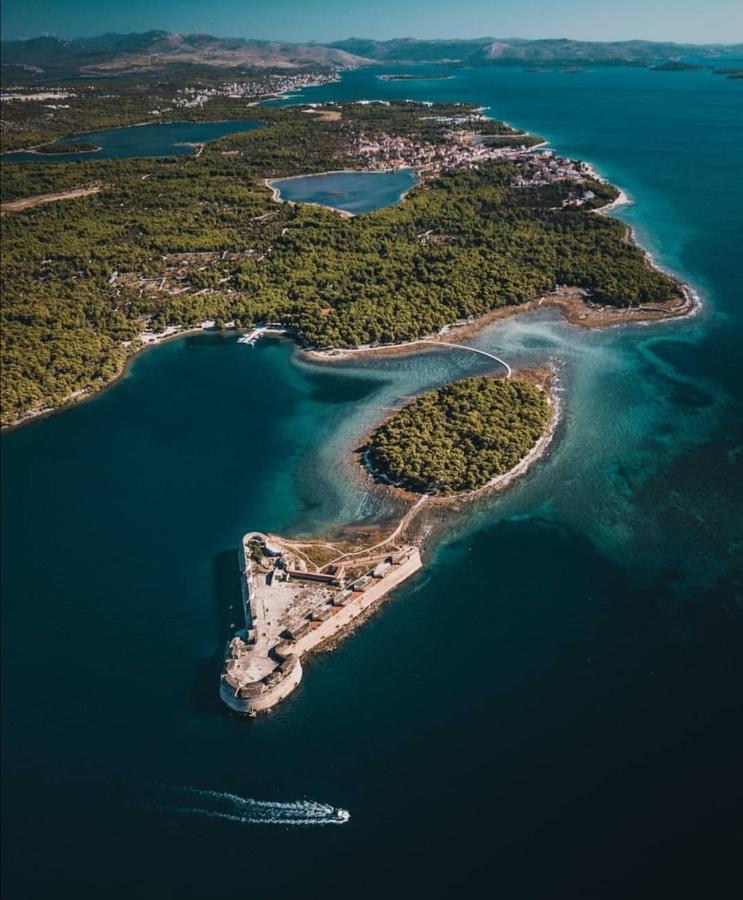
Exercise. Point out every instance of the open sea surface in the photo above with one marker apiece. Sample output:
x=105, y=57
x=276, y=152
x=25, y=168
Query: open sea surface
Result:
x=550, y=709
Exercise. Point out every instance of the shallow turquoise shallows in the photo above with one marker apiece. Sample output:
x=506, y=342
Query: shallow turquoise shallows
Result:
x=168, y=139
x=551, y=709
x=351, y=192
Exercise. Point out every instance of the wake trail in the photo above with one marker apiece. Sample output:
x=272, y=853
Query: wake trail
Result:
x=246, y=811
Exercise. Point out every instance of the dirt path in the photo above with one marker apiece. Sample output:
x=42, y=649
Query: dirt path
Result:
x=12, y=206
x=402, y=524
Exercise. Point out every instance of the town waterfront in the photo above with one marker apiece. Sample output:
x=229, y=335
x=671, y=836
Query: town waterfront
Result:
x=593, y=749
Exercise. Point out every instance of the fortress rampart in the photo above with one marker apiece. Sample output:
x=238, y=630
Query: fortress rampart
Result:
x=290, y=612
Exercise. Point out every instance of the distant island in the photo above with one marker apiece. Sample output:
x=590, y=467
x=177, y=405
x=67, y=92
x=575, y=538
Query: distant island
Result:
x=676, y=65
x=419, y=77
x=70, y=147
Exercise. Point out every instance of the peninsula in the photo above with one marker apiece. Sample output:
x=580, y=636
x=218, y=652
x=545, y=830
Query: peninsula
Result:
x=495, y=223
x=301, y=596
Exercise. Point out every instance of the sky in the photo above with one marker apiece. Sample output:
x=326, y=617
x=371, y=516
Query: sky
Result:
x=685, y=21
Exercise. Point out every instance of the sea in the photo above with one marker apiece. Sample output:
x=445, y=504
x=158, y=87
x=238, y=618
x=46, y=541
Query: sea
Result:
x=552, y=708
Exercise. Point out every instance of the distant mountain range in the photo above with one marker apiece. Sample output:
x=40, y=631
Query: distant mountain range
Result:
x=479, y=51
x=118, y=52
x=133, y=52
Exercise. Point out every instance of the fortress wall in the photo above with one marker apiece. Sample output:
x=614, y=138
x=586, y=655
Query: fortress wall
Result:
x=263, y=697
x=346, y=614
x=267, y=698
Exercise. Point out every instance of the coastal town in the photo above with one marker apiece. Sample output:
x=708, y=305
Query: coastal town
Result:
x=269, y=85
x=538, y=166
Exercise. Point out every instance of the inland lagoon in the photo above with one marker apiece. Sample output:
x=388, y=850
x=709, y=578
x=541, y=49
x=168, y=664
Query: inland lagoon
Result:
x=593, y=749
x=157, y=139
x=347, y=192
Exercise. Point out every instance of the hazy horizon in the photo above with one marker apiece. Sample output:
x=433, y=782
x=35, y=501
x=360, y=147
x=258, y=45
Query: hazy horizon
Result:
x=326, y=21
x=361, y=37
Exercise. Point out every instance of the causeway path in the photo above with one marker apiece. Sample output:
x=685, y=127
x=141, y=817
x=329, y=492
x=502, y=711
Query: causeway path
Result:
x=380, y=348
x=255, y=334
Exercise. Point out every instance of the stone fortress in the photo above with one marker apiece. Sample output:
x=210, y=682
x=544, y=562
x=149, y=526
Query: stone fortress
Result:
x=297, y=596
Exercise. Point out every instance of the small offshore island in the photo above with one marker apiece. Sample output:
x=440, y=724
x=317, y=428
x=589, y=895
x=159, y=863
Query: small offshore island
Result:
x=459, y=437
x=300, y=596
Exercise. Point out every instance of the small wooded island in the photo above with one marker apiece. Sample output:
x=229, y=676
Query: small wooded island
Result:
x=459, y=437
x=65, y=148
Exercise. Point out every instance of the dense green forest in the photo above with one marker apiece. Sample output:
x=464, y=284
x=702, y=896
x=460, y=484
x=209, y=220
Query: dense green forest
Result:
x=459, y=437
x=179, y=240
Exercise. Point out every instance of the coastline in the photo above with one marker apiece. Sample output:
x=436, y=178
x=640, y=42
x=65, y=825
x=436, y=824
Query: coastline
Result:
x=572, y=307
x=622, y=200
x=574, y=311
x=92, y=391
x=37, y=151
x=569, y=301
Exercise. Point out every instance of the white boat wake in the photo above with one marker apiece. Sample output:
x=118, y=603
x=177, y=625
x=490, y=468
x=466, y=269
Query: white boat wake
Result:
x=244, y=811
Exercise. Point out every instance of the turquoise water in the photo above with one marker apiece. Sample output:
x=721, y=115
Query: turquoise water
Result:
x=352, y=192
x=168, y=139
x=551, y=709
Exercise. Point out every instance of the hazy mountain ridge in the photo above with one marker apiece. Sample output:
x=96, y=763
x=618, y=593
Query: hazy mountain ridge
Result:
x=519, y=50
x=119, y=52
x=111, y=52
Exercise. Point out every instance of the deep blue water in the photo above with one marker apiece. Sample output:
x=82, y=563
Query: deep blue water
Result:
x=167, y=139
x=352, y=192
x=551, y=709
